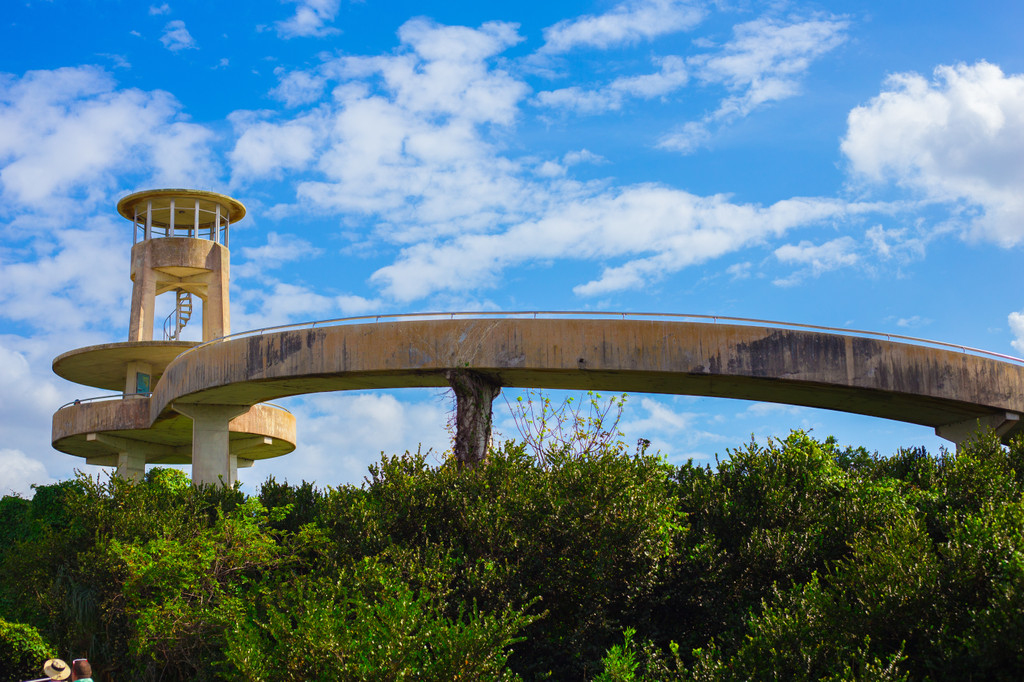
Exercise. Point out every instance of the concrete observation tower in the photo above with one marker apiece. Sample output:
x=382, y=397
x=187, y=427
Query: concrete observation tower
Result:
x=180, y=249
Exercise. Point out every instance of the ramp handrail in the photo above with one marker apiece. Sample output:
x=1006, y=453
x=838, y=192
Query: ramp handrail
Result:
x=556, y=314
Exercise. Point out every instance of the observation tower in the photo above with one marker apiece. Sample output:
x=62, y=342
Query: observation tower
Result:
x=180, y=248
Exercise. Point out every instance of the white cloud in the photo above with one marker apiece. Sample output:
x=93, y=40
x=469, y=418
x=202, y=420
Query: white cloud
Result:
x=81, y=280
x=297, y=88
x=21, y=473
x=678, y=229
x=766, y=55
x=265, y=149
x=310, y=19
x=179, y=155
x=29, y=394
x=660, y=419
x=582, y=156
x=901, y=244
x=24, y=397
x=760, y=410
x=687, y=138
x=628, y=22
x=550, y=169
x=156, y=10
x=913, y=321
x=764, y=62
x=739, y=270
x=816, y=258
x=1016, y=321
x=672, y=76
x=176, y=37
x=405, y=137
x=580, y=100
x=958, y=138
x=118, y=60
x=356, y=305
x=412, y=138
x=277, y=303
x=70, y=132
x=278, y=250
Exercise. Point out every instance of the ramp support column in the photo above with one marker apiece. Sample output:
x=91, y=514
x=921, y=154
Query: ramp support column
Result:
x=212, y=461
x=474, y=393
x=1000, y=422
x=130, y=455
x=131, y=466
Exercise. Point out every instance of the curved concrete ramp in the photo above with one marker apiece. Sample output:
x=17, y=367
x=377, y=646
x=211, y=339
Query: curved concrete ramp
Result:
x=936, y=387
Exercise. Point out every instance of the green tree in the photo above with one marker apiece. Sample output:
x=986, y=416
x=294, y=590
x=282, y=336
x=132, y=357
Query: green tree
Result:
x=22, y=650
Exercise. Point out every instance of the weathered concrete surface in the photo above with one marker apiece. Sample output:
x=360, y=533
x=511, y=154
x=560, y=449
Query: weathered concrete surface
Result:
x=212, y=461
x=198, y=266
x=916, y=384
x=100, y=431
x=181, y=250
x=103, y=366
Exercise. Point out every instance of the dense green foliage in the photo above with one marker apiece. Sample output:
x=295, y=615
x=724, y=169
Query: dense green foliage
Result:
x=795, y=560
x=22, y=650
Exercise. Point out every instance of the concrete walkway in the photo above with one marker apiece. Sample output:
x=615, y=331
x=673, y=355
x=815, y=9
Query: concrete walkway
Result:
x=945, y=389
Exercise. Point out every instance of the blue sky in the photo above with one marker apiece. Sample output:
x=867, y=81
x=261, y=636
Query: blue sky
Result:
x=847, y=164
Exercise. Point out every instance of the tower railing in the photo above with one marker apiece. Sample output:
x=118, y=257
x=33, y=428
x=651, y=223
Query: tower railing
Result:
x=183, y=217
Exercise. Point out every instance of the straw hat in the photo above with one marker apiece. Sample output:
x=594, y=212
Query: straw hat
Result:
x=56, y=669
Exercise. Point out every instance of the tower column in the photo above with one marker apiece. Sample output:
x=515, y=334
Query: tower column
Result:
x=212, y=461
x=140, y=324
x=216, y=306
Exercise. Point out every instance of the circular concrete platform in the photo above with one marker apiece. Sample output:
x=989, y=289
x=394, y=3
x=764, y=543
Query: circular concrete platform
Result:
x=104, y=366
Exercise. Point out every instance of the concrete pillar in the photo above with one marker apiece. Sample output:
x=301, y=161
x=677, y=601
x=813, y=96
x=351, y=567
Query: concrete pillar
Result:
x=140, y=324
x=212, y=461
x=216, y=304
x=130, y=455
x=131, y=466
x=474, y=393
x=959, y=432
x=131, y=380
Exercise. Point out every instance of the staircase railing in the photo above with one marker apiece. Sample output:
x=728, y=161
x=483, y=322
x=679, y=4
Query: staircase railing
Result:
x=180, y=316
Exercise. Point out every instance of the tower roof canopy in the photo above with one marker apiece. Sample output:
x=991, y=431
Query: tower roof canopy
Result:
x=184, y=207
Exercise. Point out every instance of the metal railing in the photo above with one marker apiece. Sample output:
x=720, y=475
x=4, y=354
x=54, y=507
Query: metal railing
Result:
x=123, y=396
x=570, y=314
x=101, y=398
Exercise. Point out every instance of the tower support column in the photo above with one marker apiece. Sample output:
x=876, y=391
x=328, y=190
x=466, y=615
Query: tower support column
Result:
x=212, y=461
x=140, y=325
x=216, y=310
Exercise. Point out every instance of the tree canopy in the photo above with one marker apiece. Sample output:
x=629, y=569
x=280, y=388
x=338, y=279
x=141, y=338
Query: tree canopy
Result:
x=794, y=559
